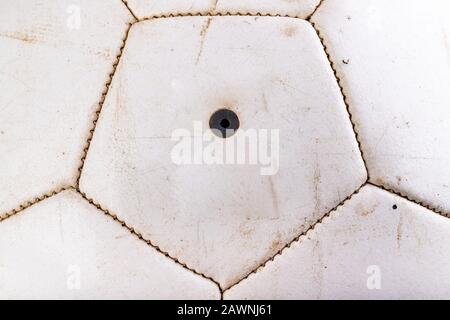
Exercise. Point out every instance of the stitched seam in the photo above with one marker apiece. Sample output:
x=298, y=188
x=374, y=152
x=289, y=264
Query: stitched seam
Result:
x=141, y=237
x=298, y=238
x=214, y=12
x=405, y=196
x=125, y=3
x=315, y=10
x=219, y=14
x=100, y=105
x=344, y=95
x=30, y=203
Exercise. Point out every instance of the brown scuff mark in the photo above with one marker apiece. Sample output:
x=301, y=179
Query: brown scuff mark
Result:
x=274, y=198
x=379, y=181
x=32, y=202
x=316, y=181
x=214, y=6
x=290, y=31
x=276, y=243
x=399, y=230
x=318, y=267
x=121, y=236
x=447, y=46
x=364, y=210
x=203, y=34
x=246, y=231
x=106, y=55
x=99, y=108
x=264, y=101
x=24, y=37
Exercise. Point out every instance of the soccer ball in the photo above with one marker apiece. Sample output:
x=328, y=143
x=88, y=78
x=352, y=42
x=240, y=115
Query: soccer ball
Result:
x=207, y=149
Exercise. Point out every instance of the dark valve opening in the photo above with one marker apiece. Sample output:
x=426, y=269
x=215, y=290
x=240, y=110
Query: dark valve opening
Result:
x=224, y=123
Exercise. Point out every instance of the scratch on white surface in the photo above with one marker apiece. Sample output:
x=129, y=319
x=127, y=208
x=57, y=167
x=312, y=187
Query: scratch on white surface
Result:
x=203, y=34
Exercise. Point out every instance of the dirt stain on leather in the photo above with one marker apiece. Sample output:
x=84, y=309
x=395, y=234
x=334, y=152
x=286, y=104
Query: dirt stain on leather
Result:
x=276, y=244
x=24, y=37
x=290, y=31
x=447, y=46
x=364, y=210
x=274, y=198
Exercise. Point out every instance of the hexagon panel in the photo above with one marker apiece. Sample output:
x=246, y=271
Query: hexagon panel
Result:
x=56, y=57
x=64, y=248
x=223, y=220
x=393, y=58
x=377, y=246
